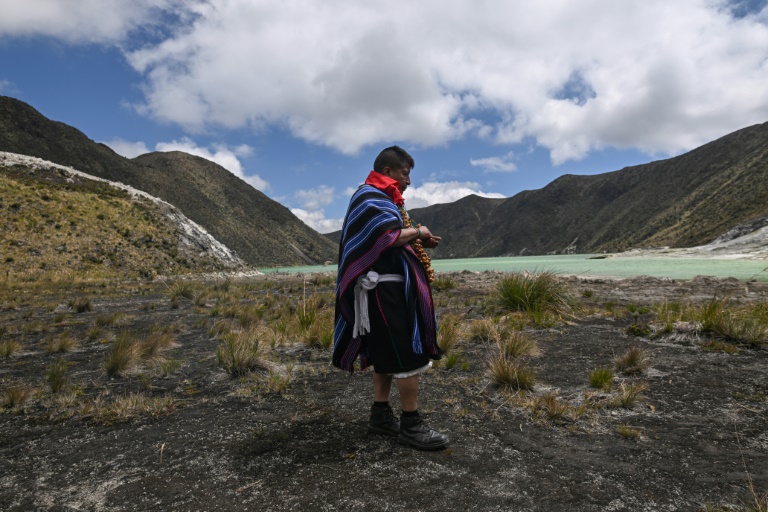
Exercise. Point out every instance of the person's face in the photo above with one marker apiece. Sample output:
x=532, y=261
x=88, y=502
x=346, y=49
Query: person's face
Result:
x=401, y=176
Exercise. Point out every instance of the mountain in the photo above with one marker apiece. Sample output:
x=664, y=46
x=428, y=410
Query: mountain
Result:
x=56, y=221
x=684, y=201
x=261, y=231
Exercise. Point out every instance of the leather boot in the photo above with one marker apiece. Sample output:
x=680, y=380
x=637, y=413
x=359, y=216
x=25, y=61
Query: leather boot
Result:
x=383, y=421
x=414, y=432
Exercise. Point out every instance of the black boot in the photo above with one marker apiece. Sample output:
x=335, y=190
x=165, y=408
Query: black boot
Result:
x=414, y=432
x=383, y=421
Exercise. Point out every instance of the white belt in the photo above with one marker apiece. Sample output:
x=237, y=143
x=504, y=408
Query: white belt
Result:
x=364, y=283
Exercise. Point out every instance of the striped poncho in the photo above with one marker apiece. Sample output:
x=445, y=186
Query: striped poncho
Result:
x=372, y=225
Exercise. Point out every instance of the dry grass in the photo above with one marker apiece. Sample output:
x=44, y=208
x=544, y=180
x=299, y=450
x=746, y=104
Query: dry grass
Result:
x=129, y=353
x=628, y=432
x=108, y=410
x=16, y=394
x=57, y=375
x=535, y=293
x=9, y=347
x=448, y=332
x=601, y=378
x=510, y=373
x=242, y=352
x=629, y=393
x=518, y=344
x=633, y=362
x=62, y=343
x=484, y=329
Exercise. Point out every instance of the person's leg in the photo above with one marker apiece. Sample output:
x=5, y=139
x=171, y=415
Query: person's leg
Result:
x=382, y=383
x=409, y=393
x=413, y=431
x=382, y=420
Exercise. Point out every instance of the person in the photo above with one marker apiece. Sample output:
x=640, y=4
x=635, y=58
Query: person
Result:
x=384, y=310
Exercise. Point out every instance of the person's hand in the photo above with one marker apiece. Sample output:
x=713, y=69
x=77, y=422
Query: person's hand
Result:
x=428, y=240
x=431, y=242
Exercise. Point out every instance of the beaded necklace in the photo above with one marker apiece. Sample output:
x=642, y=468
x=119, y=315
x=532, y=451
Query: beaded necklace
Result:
x=416, y=244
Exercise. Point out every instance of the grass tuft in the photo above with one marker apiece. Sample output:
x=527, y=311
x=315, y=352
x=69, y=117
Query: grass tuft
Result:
x=57, y=375
x=8, y=347
x=601, y=378
x=80, y=304
x=242, y=352
x=510, y=373
x=16, y=394
x=64, y=343
x=629, y=393
x=633, y=362
x=518, y=344
x=448, y=332
x=534, y=292
x=123, y=357
x=443, y=283
x=628, y=432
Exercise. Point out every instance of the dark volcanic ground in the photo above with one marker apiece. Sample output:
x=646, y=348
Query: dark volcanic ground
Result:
x=225, y=445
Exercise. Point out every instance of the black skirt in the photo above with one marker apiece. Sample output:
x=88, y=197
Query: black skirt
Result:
x=388, y=346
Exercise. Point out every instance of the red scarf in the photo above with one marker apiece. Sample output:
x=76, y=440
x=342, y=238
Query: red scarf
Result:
x=386, y=185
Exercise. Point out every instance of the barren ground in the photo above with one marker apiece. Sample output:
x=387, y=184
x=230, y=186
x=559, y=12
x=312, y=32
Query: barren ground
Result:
x=227, y=445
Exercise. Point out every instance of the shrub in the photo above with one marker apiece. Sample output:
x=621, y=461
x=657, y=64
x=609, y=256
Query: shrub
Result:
x=181, y=290
x=8, y=347
x=518, y=344
x=16, y=394
x=551, y=407
x=240, y=353
x=629, y=393
x=64, y=343
x=628, y=432
x=123, y=356
x=484, y=329
x=510, y=373
x=634, y=361
x=80, y=304
x=448, y=332
x=157, y=342
x=538, y=291
x=639, y=330
x=443, y=283
x=601, y=378
x=57, y=375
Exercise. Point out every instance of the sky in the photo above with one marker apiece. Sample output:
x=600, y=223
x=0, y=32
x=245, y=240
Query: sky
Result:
x=298, y=97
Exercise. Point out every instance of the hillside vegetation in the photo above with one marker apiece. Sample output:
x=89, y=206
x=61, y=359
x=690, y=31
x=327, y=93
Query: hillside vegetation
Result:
x=260, y=230
x=55, y=225
x=684, y=201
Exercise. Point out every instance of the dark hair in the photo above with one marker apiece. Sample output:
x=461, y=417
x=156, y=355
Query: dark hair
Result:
x=394, y=157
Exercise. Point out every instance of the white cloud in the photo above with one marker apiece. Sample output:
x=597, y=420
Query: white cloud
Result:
x=655, y=75
x=7, y=87
x=225, y=156
x=87, y=21
x=433, y=192
x=574, y=77
x=317, y=221
x=315, y=198
x=495, y=163
x=126, y=148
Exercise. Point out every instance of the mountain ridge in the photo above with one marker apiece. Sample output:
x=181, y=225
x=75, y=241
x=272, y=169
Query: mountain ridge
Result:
x=260, y=230
x=684, y=201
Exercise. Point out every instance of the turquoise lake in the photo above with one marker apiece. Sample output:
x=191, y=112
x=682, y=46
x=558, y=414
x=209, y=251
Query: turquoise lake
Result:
x=586, y=265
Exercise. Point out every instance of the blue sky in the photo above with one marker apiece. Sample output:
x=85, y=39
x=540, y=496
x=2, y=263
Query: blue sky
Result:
x=297, y=98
